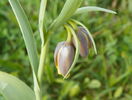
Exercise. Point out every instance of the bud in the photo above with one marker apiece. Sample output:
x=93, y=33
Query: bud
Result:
x=84, y=41
x=63, y=57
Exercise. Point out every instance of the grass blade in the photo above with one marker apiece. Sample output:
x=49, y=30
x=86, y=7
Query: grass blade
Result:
x=92, y=8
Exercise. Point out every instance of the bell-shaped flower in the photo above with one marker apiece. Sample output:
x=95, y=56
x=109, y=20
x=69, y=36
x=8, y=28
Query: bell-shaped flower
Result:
x=63, y=57
x=84, y=40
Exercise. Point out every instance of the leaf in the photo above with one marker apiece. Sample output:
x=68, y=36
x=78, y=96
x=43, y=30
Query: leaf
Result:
x=26, y=32
x=14, y=89
x=29, y=41
x=118, y=79
x=67, y=11
x=103, y=93
x=118, y=92
x=41, y=18
x=94, y=84
x=92, y=8
x=74, y=91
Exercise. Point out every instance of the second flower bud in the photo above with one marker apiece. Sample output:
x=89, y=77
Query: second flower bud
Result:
x=84, y=41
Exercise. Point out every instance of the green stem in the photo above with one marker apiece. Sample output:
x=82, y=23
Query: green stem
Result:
x=41, y=70
x=42, y=61
x=37, y=94
x=44, y=45
x=43, y=56
x=36, y=88
x=68, y=36
x=73, y=25
x=42, y=30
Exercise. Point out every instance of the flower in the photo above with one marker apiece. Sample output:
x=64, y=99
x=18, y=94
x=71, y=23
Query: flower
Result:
x=84, y=40
x=63, y=57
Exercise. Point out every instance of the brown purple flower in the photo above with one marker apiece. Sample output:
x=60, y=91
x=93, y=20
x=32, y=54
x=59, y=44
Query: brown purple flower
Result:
x=63, y=57
x=84, y=41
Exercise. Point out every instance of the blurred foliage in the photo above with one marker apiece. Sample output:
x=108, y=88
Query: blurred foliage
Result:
x=106, y=76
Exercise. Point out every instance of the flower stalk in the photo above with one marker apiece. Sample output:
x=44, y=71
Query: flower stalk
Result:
x=42, y=61
x=69, y=37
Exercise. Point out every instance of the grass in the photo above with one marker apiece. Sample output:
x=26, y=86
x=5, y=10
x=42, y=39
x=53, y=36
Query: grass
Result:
x=106, y=76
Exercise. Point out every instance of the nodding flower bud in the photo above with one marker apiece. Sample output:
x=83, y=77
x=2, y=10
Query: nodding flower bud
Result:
x=63, y=57
x=84, y=41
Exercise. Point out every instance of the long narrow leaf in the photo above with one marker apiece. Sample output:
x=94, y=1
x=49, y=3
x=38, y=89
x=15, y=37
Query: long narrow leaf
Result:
x=92, y=8
x=29, y=41
x=26, y=32
x=41, y=19
x=68, y=10
x=14, y=89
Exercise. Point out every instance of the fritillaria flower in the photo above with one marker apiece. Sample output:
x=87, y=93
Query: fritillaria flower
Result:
x=63, y=57
x=84, y=41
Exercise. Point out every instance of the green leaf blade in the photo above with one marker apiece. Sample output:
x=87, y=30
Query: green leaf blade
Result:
x=41, y=19
x=14, y=89
x=68, y=10
x=26, y=32
x=92, y=8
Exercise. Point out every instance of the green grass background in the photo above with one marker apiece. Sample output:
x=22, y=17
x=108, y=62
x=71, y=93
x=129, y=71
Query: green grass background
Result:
x=106, y=76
